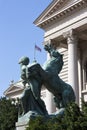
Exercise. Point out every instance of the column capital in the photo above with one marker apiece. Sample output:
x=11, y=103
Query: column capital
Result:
x=71, y=36
x=52, y=42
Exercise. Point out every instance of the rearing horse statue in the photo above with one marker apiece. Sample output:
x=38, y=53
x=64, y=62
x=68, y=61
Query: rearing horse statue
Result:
x=48, y=75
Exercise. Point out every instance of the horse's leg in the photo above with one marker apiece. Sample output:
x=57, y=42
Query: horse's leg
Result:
x=67, y=97
x=58, y=101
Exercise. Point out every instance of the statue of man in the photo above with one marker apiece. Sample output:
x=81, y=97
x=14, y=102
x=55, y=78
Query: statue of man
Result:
x=24, y=61
x=31, y=95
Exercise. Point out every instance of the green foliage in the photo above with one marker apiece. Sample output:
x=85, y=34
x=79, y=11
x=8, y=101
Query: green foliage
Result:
x=37, y=124
x=84, y=107
x=8, y=114
x=45, y=123
x=73, y=119
x=84, y=112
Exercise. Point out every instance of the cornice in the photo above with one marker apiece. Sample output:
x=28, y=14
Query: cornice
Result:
x=49, y=10
x=54, y=16
x=56, y=6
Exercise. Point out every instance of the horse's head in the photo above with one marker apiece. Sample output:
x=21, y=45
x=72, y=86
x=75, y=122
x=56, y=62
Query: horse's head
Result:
x=48, y=47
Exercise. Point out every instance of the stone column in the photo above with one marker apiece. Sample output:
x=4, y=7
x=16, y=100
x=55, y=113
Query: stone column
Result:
x=79, y=76
x=50, y=105
x=72, y=62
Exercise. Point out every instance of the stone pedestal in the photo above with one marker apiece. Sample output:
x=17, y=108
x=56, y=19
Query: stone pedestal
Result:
x=23, y=120
x=21, y=125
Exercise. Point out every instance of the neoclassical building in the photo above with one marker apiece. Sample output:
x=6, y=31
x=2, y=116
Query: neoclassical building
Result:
x=65, y=26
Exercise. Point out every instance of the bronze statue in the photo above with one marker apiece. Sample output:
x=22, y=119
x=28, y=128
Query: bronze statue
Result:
x=30, y=99
x=63, y=92
x=47, y=75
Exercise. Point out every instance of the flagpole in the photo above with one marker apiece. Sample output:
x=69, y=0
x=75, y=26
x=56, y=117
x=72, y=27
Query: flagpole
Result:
x=34, y=53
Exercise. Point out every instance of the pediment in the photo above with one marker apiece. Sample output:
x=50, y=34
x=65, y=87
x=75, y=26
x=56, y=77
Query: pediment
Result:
x=14, y=87
x=57, y=7
x=60, y=6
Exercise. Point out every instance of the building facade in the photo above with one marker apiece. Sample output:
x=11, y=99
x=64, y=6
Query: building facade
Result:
x=65, y=26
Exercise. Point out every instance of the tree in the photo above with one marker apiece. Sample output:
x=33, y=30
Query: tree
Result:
x=8, y=114
x=73, y=119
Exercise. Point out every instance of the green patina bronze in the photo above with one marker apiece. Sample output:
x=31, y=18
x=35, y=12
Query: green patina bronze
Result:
x=30, y=99
x=35, y=76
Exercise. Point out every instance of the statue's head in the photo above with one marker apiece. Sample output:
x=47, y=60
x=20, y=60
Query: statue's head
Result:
x=24, y=60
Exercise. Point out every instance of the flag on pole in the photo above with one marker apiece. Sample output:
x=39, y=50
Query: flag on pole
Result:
x=37, y=48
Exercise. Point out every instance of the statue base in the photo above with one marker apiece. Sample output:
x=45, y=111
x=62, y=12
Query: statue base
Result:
x=21, y=125
x=24, y=119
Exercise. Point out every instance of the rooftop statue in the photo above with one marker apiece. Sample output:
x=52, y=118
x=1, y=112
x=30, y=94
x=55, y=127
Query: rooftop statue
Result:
x=36, y=76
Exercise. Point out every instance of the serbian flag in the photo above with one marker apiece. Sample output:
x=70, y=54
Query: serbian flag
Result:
x=37, y=48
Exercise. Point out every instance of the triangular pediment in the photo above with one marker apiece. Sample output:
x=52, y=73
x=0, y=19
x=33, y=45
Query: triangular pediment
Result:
x=14, y=87
x=57, y=7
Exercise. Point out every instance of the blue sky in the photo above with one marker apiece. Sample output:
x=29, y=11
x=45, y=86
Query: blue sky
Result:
x=18, y=35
